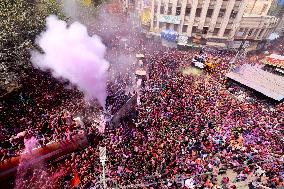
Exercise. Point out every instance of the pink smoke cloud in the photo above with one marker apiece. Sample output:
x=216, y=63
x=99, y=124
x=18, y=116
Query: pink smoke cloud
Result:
x=70, y=53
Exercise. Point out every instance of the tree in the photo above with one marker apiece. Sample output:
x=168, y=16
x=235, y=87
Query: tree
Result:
x=20, y=22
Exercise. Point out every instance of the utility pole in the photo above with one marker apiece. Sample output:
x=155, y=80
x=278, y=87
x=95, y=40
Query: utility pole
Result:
x=238, y=53
x=235, y=58
x=103, y=159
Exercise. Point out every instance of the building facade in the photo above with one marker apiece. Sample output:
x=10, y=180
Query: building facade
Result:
x=256, y=25
x=258, y=7
x=278, y=11
x=216, y=22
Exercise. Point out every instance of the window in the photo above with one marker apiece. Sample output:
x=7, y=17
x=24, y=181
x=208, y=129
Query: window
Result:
x=198, y=12
x=241, y=32
x=155, y=23
x=161, y=25
x=205, y=30
x=227, y=32
x=178, y=11
x=162, y=10
x=250, y=33
x=194, y=29
x=264, y=8
x=187, y=11
x=209, y=13
x=256, y=31
x=176, y=27
x=216, y=31
x=245, y=31
x=233, y=14
x=170, y=9
x=184, y=28
x=168, y=26
x=222, y=13
x=260, y=33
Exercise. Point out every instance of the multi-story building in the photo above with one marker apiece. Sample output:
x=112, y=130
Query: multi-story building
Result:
x=214, y=22
x=278, y=10
x=258, y=7
x=280, y=26
x=256, y=25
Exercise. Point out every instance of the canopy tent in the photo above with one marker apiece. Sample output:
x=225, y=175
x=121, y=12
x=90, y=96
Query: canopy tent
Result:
x=274, y=60
x=269, y=84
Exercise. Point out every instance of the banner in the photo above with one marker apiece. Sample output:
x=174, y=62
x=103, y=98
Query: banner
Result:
x=146, y=17
x=182, y=39
x=169, y=35
x=87, y=2
x=169, y=19
x=196, y=39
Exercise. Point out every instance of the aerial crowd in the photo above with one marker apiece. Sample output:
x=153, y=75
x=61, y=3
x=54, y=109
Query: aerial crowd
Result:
x=191, y=130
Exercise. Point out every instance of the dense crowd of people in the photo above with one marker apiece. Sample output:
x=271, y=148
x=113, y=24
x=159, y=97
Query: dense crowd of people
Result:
x=190, y=128
x=191, y=125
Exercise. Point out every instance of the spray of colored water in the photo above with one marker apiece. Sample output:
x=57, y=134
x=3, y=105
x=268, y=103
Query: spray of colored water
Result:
x=25, y=163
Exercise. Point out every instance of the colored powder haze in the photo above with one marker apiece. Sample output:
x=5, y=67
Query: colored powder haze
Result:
x=24, y=164
x=70, y=53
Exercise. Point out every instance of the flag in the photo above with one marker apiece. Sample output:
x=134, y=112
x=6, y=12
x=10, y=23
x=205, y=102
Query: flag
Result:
x=76, y=180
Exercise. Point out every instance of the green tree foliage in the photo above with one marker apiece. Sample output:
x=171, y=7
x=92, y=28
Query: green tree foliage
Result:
x=20, y=22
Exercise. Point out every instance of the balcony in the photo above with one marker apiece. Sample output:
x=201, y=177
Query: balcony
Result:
x=186, y=19
x=212, y=2
x=224, y=4
x=196, y=19
x=238, y=3
x=218, y=25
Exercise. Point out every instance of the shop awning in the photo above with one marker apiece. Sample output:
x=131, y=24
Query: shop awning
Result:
x=274, y=60
x=267, y=83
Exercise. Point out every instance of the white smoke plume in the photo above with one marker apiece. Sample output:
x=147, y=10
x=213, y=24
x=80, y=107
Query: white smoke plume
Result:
x=70, y=53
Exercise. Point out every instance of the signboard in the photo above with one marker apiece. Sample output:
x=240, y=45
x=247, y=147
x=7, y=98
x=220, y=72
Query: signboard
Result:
x=146, y=17
x=169, y=35
x=234, y=44
x=237, y=44
x=196, y=39
x=240, y=34
x=169, y=19
x=182, y=39
x=87, y=2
